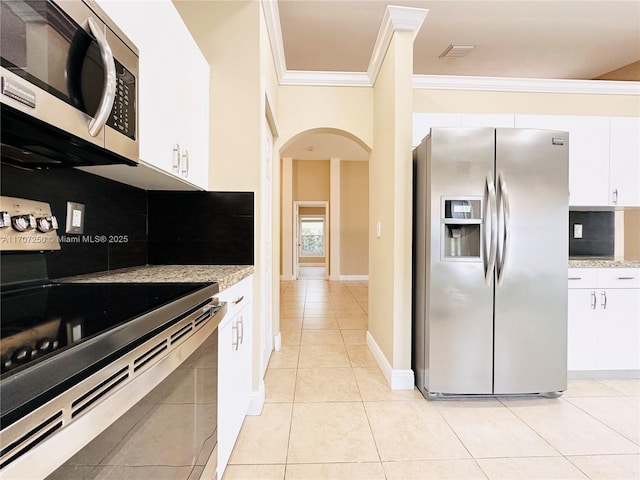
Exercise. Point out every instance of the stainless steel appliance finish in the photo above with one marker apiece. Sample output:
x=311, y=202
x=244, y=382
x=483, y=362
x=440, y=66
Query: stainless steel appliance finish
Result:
x=490, y=260
x=72, y=396
x=67, y=70
x=27, y=225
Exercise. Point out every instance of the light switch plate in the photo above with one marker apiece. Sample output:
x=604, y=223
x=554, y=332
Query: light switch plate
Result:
x=75, y=218
x=577, y=230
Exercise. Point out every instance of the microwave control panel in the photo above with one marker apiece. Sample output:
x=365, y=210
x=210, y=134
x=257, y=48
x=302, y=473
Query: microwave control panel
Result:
x=123, y=113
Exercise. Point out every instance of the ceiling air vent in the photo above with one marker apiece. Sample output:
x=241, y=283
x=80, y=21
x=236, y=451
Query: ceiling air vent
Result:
x=457, y=51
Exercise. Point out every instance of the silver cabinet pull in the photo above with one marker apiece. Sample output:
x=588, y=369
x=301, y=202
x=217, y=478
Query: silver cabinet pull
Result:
x=175, y=163
x=603, y=297
x=109, y=93
x=241, y=335
x=238, y=300
x=235, y=342
x=626, y=278
x=575, y=278
x=615, y=196
x=594, y=300
x=185, y=163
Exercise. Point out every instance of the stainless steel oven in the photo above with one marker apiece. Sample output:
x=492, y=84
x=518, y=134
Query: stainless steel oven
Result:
x=67, y=71
x=101, y=376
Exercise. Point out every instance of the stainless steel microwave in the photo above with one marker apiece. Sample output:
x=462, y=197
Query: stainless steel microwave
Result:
x=69, y=85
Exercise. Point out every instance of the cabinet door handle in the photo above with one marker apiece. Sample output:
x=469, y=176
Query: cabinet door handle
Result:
x=604, y=299
x=235, y=342
x=626, y=278
x=241, y=335
x=238, y=300
x=615, y=196
x=575, y=278
x=594, y=300
x=185, y=164
x=175, y=163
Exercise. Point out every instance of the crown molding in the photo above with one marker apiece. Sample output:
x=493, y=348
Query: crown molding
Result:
x=332, y=79
x=411, y=19
x=274, y=30
x=529, y=85
x=395, y=19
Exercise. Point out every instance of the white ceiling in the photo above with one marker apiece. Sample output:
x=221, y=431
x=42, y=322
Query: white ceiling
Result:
x=559, y=39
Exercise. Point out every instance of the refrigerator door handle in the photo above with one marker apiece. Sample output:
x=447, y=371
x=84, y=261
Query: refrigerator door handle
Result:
x=491, y=210
x=506, y=231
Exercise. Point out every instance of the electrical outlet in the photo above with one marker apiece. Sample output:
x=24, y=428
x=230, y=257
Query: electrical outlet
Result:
x=378, y=229
x=577, y=230
x=75, y=218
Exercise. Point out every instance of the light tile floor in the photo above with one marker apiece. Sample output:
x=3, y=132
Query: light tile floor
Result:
x=329, y=413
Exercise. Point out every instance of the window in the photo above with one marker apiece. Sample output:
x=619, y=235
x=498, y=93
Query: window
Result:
x=312, y=236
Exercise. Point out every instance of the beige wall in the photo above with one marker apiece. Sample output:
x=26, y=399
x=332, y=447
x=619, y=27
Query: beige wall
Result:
x=311, y=180
x=303, y=108
x=632, y=234
x=354, y=218
x=232, y=36
x=390, y=204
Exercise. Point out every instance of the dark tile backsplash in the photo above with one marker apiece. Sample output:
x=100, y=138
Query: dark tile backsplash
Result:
x=112, y=210
x=201, y=228
x=144, y=227
x=598, y=234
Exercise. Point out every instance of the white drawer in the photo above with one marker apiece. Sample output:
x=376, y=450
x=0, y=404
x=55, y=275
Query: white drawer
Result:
x=618, y=277
x=582, y=278
x=237, y=295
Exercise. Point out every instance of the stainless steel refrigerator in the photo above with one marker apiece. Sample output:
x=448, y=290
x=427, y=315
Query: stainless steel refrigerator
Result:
x=490, y=261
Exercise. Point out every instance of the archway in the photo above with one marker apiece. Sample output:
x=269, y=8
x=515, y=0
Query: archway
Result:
x=316, y=163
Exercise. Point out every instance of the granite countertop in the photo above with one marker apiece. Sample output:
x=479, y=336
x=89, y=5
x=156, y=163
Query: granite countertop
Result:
x=595, y=262
x=225, y=275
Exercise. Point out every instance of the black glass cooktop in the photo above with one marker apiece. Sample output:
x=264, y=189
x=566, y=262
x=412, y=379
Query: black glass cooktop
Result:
x=41, y=321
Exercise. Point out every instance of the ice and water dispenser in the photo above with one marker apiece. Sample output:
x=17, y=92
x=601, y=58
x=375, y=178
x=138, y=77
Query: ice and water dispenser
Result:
x=461, y=229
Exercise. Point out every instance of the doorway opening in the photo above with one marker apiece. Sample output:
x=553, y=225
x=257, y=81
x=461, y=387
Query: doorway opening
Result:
x=311, y=227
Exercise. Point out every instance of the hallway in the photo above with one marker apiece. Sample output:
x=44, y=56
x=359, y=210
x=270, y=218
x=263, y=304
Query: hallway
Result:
x=329, y=413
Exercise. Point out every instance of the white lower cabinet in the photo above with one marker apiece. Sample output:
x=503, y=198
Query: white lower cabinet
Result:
x=234, y=367
x=582, y=325
x=604, y=319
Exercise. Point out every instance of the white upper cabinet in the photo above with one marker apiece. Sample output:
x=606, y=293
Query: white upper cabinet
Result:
x=588, y=160
x=588, y=153
x=173, y=88
x=624, y=162
x=604, y=157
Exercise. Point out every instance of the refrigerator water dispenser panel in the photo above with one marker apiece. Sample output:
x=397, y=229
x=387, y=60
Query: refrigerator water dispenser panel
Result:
x=461, y=229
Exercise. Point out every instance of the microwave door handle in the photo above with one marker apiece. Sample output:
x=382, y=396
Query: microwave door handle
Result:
x=109, y=94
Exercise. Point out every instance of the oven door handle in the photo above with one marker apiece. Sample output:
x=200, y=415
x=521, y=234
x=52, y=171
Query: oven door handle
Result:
x=109, y=93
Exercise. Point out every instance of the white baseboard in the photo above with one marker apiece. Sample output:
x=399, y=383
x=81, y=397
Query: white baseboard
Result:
x=602, y=374
x=257, y=401
x=397, y=379
x=346, y=278
x=286, y=278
